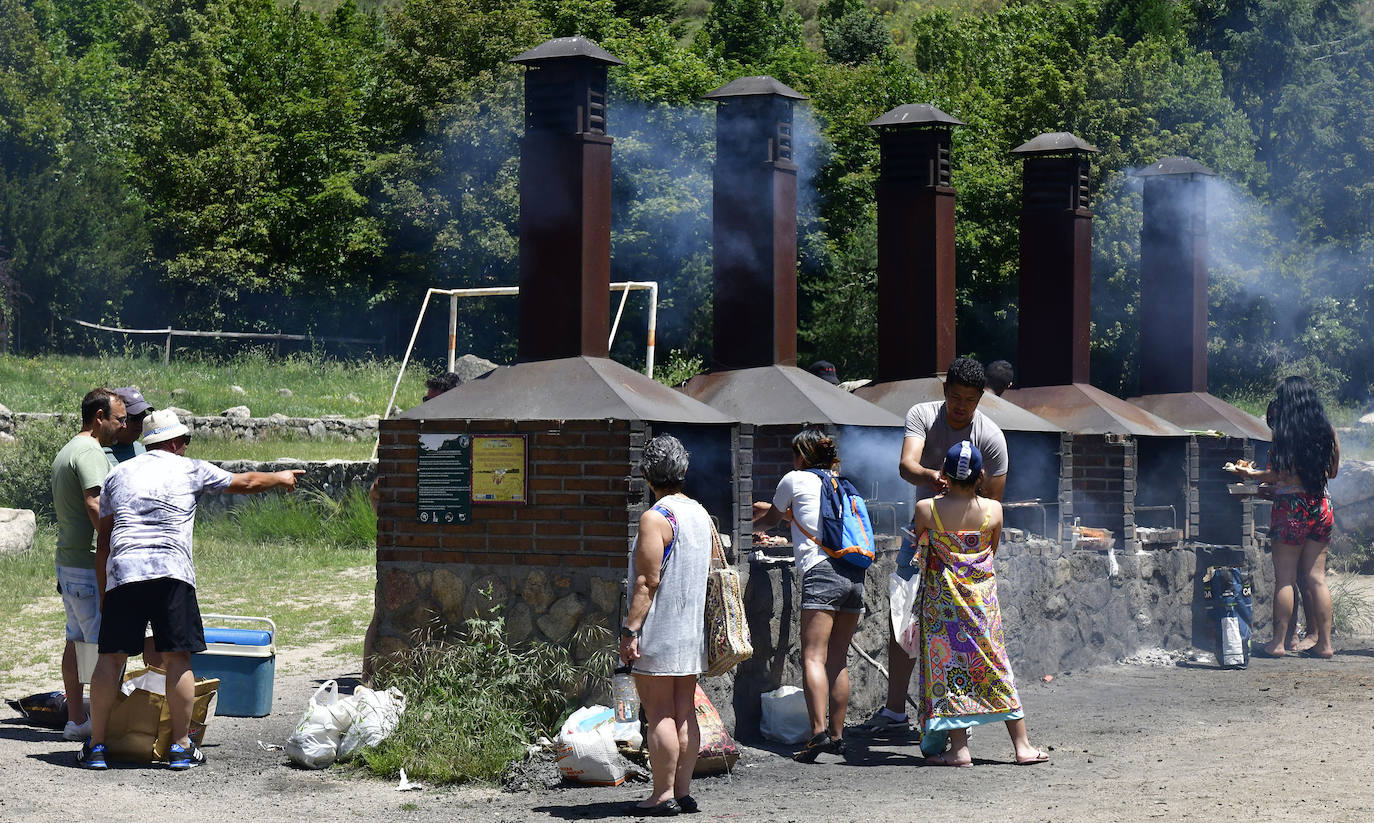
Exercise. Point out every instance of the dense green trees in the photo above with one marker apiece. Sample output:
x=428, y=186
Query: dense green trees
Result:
x=247, y=164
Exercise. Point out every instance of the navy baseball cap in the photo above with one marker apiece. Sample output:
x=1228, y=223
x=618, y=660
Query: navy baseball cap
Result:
x=963, y=460
x=133, y=400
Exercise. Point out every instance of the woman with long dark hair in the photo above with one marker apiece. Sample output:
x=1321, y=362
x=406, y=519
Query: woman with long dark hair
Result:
x=1304, y=455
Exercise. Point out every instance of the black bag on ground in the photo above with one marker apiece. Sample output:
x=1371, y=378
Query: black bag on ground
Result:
x=46, y=709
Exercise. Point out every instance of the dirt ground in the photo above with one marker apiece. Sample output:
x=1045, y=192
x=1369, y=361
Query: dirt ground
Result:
x=1283, y=740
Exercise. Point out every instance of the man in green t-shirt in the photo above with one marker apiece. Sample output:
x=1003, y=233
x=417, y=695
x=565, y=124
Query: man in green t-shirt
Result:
x=77, y=472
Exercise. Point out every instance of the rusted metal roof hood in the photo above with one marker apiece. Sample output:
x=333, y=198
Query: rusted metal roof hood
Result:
x=562, y=47
x=1202, y=412
x=1084, y=409
x=898, y=396
x=1175, y=165
x=915, y=114
x=785, y=396
x=750, y=86
x=570, y=388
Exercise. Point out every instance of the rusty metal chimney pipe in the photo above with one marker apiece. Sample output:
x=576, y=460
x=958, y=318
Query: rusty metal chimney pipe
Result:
x=565, y=202
x=754, y=226
x=916, y=314
x=1055, y=315
x=1173, y=277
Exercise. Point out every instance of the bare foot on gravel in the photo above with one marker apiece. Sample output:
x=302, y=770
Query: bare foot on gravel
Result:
x=1304, y=644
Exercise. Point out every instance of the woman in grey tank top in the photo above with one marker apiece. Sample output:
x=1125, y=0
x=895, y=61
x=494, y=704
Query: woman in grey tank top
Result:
x=664, y=634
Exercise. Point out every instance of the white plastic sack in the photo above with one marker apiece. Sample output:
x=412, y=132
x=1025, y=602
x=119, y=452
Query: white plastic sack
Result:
x=376, y=715
x=902, y=597
x=784, y=715
x=315, y=742
x=586, y=750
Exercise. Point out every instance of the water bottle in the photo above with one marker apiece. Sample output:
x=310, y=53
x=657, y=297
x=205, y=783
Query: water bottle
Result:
x=625, y=696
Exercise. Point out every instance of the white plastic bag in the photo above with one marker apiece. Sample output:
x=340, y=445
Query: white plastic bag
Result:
x=315, y=742
x=784, y=715
x=586, y=748
x=903, y=597
x=376, y=715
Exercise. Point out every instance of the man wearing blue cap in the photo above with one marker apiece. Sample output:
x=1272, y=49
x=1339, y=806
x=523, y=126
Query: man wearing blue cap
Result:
x=126, y=445
x=931, y=429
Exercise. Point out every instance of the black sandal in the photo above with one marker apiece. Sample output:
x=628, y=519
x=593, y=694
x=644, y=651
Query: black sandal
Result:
x=813, y=748
x=667, y=808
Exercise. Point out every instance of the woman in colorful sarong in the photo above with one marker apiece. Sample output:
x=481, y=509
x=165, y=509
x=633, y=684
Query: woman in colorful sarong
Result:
x=966, y=678
x=1304, y=455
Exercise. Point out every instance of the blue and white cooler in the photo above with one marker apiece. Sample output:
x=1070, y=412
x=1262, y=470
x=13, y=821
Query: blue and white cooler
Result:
x=244, y=660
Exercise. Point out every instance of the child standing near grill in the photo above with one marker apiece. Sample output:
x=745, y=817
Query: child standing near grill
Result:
x=966, y=678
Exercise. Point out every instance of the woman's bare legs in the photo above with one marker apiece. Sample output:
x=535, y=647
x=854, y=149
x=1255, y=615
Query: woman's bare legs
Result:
x=671, y=730
x=1286, y=557
x=1312, y=571
x=688, y=733
x=817, y=625
x=837, y=669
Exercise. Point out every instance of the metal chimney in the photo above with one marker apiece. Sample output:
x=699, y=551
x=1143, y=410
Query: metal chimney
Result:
x=915, y=243
x=754, y=225
x=1173, y=277
x=565, y=201
x=1055, y=316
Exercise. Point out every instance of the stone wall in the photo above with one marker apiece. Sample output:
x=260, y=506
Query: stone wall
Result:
x=236, y=427
x=1061, y=612
x=333, y=477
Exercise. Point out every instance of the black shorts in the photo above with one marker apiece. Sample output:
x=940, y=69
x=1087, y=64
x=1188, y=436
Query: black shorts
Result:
x=167, y=603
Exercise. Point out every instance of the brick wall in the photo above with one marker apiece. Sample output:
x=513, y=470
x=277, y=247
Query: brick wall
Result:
x=581, y=510
x=555, y=566
x=1104, y=485
x=1223, y=518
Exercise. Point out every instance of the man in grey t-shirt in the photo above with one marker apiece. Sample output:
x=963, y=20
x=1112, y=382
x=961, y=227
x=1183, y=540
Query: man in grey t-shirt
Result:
x=931, y=429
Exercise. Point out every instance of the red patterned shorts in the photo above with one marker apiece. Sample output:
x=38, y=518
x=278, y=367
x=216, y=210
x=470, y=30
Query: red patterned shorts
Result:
x=1298, y=518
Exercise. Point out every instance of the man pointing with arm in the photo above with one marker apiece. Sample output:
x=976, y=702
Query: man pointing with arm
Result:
x=146, y=575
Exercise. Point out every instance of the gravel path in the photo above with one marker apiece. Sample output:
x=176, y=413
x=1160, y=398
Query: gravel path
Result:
x=1283, y=740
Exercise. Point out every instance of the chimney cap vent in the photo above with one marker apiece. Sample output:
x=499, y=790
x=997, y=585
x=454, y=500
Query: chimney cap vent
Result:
x=565, y=48
x=914, y=115
x=753, y=87
x=1174, y=165
x=1058, y=142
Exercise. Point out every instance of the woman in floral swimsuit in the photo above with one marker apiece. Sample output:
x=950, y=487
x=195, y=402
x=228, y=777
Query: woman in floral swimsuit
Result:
x=1304, y=455
x=966, y=678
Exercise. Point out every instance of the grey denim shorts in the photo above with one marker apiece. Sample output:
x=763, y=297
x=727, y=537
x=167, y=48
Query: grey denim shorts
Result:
x=833, y=585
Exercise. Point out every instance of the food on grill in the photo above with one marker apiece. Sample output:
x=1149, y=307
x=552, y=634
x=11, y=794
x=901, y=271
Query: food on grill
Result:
x=1096, y=534
x=761, y=539
x=1239, y=465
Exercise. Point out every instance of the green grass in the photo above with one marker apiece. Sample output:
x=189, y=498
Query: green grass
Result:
x=315, y=580
x=263, y=451
x=200, y=384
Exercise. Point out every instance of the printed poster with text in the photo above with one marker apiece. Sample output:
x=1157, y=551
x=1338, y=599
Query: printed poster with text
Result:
x=444, y=482
x=498, y=469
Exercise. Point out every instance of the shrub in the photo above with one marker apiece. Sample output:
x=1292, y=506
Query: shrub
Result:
x=474, y=702
x=308, y=515
x=1351, y=610
x=26, y=466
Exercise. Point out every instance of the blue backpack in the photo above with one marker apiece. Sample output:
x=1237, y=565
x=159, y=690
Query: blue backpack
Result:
x=846, y=531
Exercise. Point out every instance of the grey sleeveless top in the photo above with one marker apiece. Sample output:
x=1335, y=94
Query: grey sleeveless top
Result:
x=673, y=638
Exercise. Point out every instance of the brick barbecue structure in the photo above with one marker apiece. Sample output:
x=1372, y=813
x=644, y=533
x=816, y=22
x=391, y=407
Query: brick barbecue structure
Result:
x=518, y=490
x=1173, y=350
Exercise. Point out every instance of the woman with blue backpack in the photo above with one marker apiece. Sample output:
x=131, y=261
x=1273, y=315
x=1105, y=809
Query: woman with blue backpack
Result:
x=832, y=543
